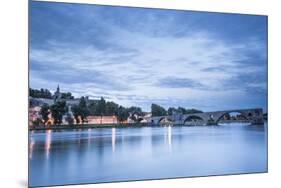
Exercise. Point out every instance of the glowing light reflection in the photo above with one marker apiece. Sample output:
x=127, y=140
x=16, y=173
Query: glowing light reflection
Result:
x=170, y=137
x=31, y=146
x=89, y=136
x=48, y=142
x=113, y=133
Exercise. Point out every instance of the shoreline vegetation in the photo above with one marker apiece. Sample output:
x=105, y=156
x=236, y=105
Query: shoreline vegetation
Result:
x=122, y=125
x=117, y=125
x=90, y=126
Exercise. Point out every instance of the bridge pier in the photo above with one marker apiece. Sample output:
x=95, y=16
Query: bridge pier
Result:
x=258, y=121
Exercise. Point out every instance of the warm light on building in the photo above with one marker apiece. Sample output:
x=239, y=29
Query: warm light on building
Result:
x=101, y=119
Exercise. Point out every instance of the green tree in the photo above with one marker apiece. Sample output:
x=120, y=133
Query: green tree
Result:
x=101, y=107
x=37, y=122
x=157, y=110
x=122, y=114
x=67, y=95
x=76, y=113
x=172, y=110
x=44, y=112
x=111, y=108
x=84, y=108
x=80, y=110
x=69, y=119
x=42, y=93
x=192, y=111
x=58, y=110
x=136, y=110
x=133, y=111
x=182, y=110
x=93, y=108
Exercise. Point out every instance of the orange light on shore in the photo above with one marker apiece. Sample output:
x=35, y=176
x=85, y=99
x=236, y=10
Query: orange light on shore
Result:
x=50, y=121
x=80, y=120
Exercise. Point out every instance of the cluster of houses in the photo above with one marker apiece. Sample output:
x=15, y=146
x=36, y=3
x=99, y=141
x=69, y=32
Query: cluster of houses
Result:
x=35, y=105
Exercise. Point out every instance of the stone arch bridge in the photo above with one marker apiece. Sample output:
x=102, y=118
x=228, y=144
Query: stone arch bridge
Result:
x=254, y=116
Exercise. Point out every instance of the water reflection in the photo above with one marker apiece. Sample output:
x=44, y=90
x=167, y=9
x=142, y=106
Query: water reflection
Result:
x=79, y=137
x=170, y=137
x=113, y=133
x=89, y=137
x=31, y=146
x=48, y=142
x=110, y=154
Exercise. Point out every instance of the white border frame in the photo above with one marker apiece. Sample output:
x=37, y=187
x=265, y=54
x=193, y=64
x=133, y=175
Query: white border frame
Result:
x=14, y=46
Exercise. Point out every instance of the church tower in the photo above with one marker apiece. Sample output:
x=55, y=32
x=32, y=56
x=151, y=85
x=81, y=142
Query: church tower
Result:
x=57, y=94
x=58, y=89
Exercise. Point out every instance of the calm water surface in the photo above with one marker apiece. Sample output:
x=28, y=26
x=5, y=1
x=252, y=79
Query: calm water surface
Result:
x=120, y=154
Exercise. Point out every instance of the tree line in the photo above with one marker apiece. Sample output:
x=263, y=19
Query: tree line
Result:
x=46, y=94
x=158, y=110
x=40, y=93
x=104, y=108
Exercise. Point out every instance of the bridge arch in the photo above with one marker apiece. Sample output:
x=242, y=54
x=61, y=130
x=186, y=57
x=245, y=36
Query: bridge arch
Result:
x=165, y=120
x=239, y=116
x=194, y=120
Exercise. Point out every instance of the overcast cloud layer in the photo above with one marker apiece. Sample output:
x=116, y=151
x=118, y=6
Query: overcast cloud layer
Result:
x=135, y=56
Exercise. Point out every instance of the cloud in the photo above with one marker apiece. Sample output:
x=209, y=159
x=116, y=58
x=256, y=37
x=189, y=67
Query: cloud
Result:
x=175, y=82
x=146, y=57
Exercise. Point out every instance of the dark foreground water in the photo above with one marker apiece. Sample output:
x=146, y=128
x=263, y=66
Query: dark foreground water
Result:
x=120, y=154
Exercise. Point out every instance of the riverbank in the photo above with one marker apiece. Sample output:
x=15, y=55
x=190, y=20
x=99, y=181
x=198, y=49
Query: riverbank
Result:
x=120, y=125
x=90, y=126
x=87, y=126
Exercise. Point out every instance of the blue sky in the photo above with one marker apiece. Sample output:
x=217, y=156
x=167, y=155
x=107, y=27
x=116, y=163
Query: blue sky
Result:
x=134, y=56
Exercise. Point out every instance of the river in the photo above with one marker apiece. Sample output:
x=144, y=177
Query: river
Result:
x=122, y=154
